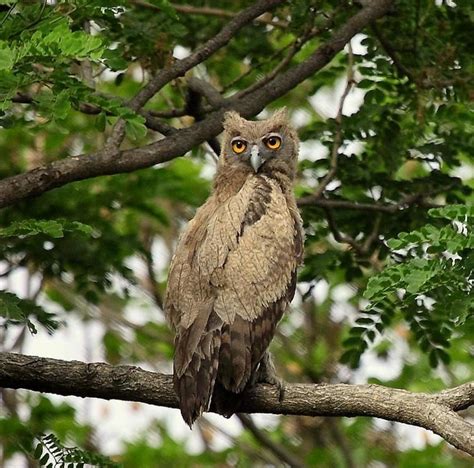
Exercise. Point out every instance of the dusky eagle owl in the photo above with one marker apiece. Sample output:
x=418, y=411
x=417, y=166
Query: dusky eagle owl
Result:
x=233, y=273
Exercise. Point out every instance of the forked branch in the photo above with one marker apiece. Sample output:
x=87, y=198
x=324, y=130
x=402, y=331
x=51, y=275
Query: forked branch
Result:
x=111, y=160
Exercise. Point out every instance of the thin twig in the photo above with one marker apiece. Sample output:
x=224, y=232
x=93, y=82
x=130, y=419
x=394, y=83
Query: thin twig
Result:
x=34, y=22
x=168, y=114
x=209, y=11
x=417, y=200
x=338, y=135
x=256, y=67
x=151, y=120
x=246, y=447
x=277, y=449
x=294, y=47
x=153, y=283
x=338, y=236
x=372, y=237
x=8, y=13
x=404, y=71
x=341, y=441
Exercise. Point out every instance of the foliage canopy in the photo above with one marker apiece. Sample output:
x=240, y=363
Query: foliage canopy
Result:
x=385, y=188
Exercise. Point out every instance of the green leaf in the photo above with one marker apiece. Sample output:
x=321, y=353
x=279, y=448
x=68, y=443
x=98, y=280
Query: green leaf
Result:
x=9, y=307
x=135, y=127
x=364, y=321
x=62, y=105
x=38, y=451
x=420, y=273
x=453, y=212
x=20, y=311
x=101, y=122
x=52, y=228
x=114, y=60
x=6, y=57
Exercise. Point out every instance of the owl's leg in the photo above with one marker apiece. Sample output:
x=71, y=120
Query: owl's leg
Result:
x=266, y=373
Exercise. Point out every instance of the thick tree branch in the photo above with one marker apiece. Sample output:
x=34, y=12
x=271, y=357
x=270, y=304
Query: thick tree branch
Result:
x=202, y=53
x=180, y=67
x=436, y=412
x=105, y=162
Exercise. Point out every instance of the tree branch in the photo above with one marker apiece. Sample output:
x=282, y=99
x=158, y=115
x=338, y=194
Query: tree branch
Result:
x=338, y=236
x=338, y=133
x=402, y=70
x=279, y=451
x=416, y=200
x=203, y=52
x=180, y=67
x=197, y=89
x=293, y=47
x=208, y=11
x=151, y=117
x=104, y=162
x=435, y=412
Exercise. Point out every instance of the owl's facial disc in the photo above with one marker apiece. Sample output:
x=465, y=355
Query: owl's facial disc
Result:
x=256, y=150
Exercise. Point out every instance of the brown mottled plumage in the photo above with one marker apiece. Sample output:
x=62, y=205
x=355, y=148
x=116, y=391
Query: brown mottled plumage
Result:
x=234, y=270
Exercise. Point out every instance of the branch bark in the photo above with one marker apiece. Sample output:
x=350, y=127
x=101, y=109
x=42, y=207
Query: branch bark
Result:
x=436, y=412
x=106, y=162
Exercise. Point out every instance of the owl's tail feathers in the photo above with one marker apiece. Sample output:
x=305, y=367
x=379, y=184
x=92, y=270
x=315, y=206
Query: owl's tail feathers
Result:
x=225, y=402
x=235, y=366
x=195, y=367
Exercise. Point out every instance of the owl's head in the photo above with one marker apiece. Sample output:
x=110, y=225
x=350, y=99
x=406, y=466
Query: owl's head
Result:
x=262, y=147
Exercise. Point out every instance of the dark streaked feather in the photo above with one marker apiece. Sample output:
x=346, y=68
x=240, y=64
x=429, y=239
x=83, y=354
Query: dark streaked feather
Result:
x=235, y=359
x=194, y=383
x=243, y=344
x=257, y=204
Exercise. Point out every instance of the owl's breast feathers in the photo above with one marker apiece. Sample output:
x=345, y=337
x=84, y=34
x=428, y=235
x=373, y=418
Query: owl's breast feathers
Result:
x=232, y=277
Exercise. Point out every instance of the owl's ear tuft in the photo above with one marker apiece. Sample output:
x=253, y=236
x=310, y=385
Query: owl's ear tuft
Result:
x=280, y=117
x=232, y=120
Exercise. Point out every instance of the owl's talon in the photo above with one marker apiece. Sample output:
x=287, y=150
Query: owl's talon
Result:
x=267, y=374
x=282, y=390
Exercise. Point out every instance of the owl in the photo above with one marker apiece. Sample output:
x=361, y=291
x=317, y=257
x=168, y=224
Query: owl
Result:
x=233, y=273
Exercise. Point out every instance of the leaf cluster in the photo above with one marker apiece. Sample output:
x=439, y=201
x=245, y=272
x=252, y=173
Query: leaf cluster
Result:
x=51, y=453
x=430, y=282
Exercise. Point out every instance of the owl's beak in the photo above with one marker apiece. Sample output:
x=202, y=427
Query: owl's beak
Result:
x=255, y=158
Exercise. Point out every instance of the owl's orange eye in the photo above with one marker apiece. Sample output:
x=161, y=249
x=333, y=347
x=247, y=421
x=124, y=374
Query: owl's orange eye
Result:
x=273, y=142
x=239, y=146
